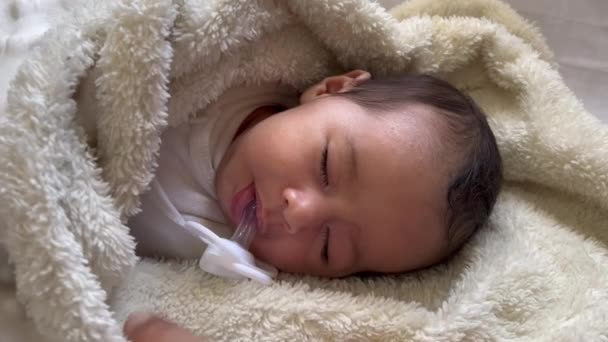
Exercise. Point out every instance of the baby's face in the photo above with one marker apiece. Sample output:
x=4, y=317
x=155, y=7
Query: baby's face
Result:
x=338, y=190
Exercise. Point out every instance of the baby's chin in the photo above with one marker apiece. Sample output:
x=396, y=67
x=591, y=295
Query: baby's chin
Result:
x=256, y=250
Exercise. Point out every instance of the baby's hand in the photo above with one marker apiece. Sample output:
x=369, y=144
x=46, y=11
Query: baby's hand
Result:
x=143, y=327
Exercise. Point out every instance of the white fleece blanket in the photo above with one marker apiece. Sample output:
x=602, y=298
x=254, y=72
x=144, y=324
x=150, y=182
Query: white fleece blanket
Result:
x=539, y=271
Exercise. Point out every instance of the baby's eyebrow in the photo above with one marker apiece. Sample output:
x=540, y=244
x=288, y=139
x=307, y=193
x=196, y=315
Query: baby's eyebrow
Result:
x=353, y=160
x=353, y=175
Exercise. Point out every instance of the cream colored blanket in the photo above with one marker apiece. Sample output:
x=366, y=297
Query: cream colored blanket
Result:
x=539, y=271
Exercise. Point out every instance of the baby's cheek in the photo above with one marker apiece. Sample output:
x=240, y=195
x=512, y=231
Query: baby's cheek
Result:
x=276, y=253
x=262, y=250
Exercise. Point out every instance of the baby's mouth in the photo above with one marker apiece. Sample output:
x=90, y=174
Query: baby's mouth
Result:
x=240, y=201
x=259, y=215
x=246, y=229
x=250, y=223
x=247, y=213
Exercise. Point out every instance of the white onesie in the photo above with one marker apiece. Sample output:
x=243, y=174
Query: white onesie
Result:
x=188, y=159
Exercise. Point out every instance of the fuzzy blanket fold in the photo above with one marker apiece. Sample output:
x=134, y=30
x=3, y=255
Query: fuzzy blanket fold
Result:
x=539, y=271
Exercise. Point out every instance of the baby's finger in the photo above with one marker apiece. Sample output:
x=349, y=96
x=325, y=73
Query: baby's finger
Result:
x=142, y=327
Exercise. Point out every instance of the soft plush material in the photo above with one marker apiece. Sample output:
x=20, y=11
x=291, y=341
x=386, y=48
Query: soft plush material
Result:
x=538, y=271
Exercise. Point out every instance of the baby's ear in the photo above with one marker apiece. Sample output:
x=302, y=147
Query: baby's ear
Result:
x=335, y=84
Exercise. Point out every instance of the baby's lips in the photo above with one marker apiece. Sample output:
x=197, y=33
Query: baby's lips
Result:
x=259, y=215
x=240, y=201
x=247, y=227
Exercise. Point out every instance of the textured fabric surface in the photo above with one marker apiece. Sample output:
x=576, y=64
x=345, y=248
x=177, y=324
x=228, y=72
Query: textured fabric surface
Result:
x=577, y=31
x=537, y=272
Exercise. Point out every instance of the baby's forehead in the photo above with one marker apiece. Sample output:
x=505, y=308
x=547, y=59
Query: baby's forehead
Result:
x=422, y=136
x=427, y=122
x=441, y=133
x=413, y=131
x=416, y=143
x=410, y=113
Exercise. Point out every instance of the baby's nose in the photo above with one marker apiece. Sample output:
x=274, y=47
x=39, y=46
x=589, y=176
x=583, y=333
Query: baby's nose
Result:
x=300, y=210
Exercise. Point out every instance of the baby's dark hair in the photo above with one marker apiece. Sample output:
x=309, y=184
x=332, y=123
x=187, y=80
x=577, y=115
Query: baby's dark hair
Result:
x=476, y=182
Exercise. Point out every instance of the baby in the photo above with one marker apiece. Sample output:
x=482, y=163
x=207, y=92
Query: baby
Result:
x=359, y=175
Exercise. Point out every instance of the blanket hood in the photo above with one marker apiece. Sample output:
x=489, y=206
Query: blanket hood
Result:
x=157, y=63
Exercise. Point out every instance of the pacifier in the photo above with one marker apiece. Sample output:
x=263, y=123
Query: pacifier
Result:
x=230, y=257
